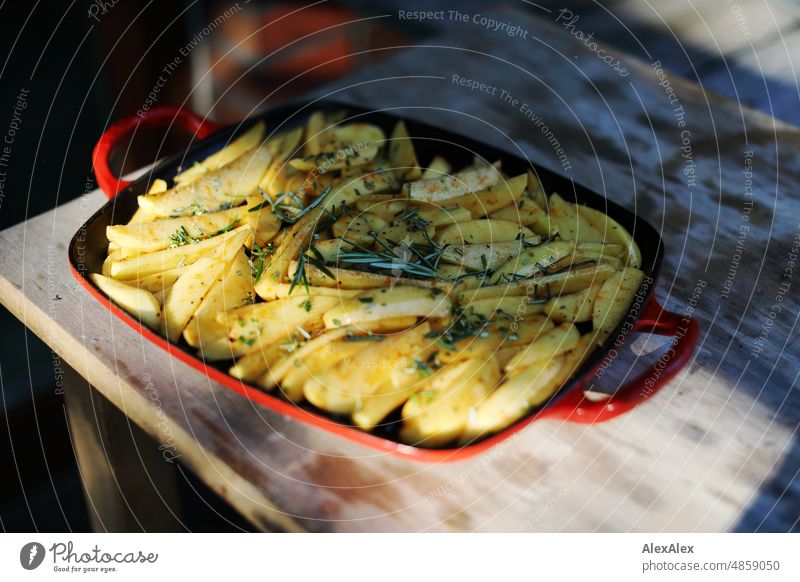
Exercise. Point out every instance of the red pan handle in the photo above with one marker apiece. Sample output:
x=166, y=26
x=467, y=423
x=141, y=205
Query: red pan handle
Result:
x=160, y=116
x=575, y=407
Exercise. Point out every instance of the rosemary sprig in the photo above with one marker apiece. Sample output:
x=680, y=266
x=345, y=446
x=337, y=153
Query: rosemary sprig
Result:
x=227, y=228
x=293, y=219
x=319, y=262
x=300, y=276
x=257, y=256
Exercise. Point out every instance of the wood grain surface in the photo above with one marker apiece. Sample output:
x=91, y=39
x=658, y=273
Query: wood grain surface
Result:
x=715, y=450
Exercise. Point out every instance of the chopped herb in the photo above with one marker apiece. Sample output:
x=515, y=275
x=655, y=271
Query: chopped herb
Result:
x=182, y=237
x=365, y=299
x=422, y=368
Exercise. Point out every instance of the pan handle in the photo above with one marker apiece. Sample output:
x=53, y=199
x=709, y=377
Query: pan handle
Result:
x=160, y=116
x=575, y=407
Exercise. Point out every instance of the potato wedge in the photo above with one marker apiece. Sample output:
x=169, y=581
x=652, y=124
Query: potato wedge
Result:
x=437, y=168
x=395, y=301
x=492, y=337
x=439, y=413
x=238, y=147
x=573, y=307
x=340, y=389
x=541, y=287
x=491, y=199
x=345, y=146
x=185, y=296
x=484, y=231
x=315, y=127
x=271, y=291
x=401, y=154
x=613, y=232
x=451, y=186
x=214, y=190
x=613, y=301
x=140, y=303
x=357, y=229
x=533, y=260
x=170, y=232
x=486, y=256
x=271, y=322
x=508, y=307
x=524, y=211
x=352, y=279
x=549, y=345
x=570, y=224
x=514, y=398
x=233, y=289
x=152, y=263
x=159, y=281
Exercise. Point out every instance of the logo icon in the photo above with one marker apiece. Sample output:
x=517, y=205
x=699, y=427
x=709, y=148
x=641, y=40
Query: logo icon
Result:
x=31, y=555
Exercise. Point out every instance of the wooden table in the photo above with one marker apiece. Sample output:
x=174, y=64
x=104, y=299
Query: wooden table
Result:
x=715, y=450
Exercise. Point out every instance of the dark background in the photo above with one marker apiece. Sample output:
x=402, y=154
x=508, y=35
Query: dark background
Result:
x=83, y=73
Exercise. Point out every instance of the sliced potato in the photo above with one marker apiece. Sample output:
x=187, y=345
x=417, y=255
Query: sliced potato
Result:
x=485, y=231
x=573, y=307
x=439, y=413
x=185, y=296
x=170, y=232
x=351, y=279
x=233, y=289
x=357, y=229
x=216, y=189
x=395, y=301
x=238, y=147
x=152, y=263
x=613, y=301
x=454, y=185
x=508, y=307
x=613, y=232
x=525, y=212
x=140, y=303
x=486, y=256
x=514, y=398
x=569, y=222
x=549, y=345
x=533, y=260
x=401, y=154
x=437, y=168
x=268, y=323
x=491, y=199
x=340, y=389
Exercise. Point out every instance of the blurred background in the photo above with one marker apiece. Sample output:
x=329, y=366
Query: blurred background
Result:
x=81, y=66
